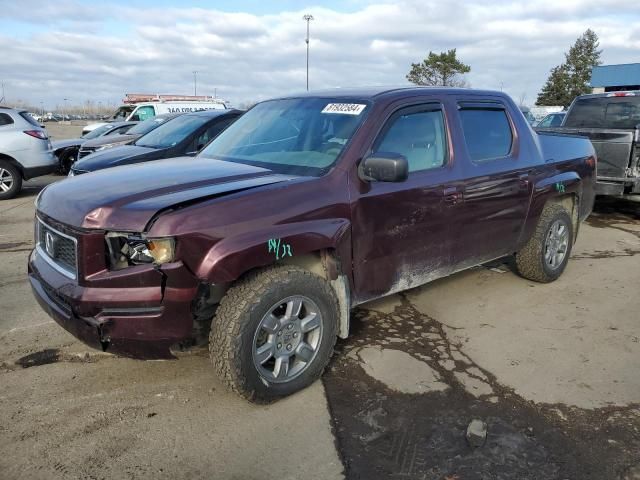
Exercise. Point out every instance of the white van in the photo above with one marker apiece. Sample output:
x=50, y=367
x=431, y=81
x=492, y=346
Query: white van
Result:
x=136, y=110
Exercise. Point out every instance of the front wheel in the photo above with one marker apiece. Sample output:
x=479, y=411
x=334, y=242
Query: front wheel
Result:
x=545, y=256
x=274, y=332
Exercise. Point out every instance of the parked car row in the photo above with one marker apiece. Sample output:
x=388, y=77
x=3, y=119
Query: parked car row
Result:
x=284, y=218
x=25, y=151
x=184, y=134
x=136, y=110
x=66, y=150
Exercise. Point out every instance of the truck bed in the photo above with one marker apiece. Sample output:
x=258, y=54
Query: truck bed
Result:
x=614, y=149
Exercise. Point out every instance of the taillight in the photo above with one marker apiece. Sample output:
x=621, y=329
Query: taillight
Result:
x=37, y=134
x=621, y=94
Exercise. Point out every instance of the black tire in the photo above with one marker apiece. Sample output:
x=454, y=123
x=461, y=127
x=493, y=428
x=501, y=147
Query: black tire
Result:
x=530, y=260
x=235, y=328
x=10, y=181
x=67, y=159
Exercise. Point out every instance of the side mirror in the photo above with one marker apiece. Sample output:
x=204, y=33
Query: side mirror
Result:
x=384, y=167
x=135, y=118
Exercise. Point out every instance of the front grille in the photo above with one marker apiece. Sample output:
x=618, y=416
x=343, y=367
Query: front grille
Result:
x=84, y=151
x=59, y=249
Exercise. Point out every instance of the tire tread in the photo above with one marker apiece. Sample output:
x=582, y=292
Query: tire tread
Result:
x=232, y=320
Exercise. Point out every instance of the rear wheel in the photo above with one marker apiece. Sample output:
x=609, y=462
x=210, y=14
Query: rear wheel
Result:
x=545, y=256
x=274, y=332
x=10, y=180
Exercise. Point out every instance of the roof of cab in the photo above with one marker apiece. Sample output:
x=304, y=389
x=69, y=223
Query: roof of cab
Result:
x=376, y=92
x=214, y=113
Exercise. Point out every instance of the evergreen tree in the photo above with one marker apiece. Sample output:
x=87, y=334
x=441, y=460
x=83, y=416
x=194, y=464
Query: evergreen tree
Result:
x=571, y=78
x=439, y=70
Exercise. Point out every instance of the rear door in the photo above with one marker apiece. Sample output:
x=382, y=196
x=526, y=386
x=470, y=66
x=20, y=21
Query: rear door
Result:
x=400, y=230
x=493, y=188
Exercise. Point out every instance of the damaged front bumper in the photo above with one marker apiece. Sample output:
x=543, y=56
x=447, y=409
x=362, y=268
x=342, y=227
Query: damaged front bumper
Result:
x=139, y=313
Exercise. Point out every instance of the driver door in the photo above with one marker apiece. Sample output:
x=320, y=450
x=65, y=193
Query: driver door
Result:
x=400, y=230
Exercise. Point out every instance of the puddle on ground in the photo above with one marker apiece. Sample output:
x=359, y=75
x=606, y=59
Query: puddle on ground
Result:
x=384, y=433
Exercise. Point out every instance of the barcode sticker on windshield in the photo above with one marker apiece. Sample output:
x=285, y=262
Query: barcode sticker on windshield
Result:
x=344, y=108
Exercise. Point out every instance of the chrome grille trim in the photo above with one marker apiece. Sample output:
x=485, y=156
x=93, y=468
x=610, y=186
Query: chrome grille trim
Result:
x=58, y=266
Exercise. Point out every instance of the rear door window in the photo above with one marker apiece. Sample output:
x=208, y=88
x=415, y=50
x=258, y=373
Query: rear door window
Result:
x=605, y=112
x=487, y=132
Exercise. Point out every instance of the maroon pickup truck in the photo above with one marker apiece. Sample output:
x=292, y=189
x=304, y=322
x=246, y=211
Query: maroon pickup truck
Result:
x=302, y=209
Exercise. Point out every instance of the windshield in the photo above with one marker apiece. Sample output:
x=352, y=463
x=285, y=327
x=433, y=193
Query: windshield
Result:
x=605, y=112
x=148, y=125
x=98, y=132
x=123, y=112
x=301, y=136
x=173, y=132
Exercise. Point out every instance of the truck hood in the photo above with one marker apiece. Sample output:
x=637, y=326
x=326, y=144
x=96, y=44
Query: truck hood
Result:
x=127, y=198
x=112, y=157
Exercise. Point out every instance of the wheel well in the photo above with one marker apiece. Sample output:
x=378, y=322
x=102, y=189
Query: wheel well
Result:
x=13, y=162
x=571, y=203
x=326, y=264
x=323, y=263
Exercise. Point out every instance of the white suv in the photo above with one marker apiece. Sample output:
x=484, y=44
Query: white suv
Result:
x=25, y=151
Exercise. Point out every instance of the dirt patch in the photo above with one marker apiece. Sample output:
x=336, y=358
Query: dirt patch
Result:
x=15, y=246
x=383, y=433
x=55, y=355
x=43, y=357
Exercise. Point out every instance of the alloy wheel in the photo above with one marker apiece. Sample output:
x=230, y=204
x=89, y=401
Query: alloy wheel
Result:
x=287, y=339
x=6, y=180
x=556, y=244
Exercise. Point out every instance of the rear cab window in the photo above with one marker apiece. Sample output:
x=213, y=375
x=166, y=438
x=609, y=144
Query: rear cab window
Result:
x=417, y=133
x=616, y=112
x=487, y=130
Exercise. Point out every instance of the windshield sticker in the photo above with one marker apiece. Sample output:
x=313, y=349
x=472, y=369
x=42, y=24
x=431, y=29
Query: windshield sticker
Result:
x=344, y=108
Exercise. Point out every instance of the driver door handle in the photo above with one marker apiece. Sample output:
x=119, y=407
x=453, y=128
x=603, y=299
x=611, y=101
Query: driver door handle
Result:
x=452, y=195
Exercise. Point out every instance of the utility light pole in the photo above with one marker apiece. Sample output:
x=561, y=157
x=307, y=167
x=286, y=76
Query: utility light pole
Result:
x=195, y=82
x=308, y=19
x=64, y=111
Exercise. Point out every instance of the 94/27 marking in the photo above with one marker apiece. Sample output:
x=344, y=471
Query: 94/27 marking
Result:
x=281, y=250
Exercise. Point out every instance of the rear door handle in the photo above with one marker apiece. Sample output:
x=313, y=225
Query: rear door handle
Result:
x=524, y=180
x=452, y=195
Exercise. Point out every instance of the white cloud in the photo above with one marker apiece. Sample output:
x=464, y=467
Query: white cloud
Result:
x=79, y=53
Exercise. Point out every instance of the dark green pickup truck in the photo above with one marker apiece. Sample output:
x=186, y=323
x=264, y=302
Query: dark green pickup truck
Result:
x=612, y=122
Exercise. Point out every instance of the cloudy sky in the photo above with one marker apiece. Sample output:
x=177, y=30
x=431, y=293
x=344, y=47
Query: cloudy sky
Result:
x=253, y=49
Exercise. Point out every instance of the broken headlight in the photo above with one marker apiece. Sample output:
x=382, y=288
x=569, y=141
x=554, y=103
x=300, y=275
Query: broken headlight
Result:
x=127, y=249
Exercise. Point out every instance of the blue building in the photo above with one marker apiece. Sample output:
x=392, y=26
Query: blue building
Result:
x=614, y=78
